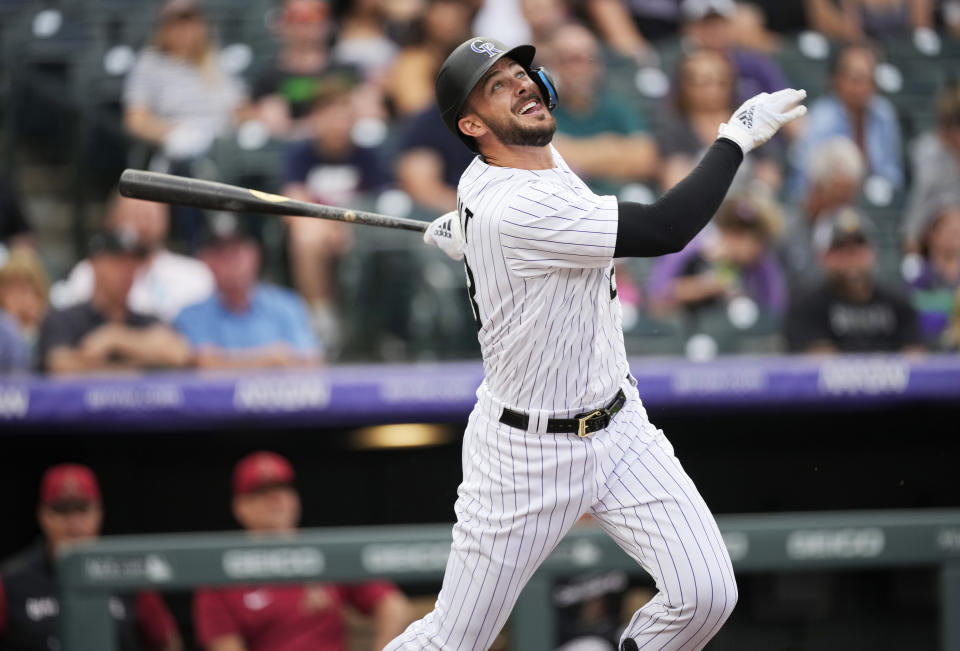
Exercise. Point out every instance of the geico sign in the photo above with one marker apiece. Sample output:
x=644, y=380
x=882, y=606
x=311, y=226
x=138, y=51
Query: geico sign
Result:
x=277, y=562
x=835, y=543
x=414, y=557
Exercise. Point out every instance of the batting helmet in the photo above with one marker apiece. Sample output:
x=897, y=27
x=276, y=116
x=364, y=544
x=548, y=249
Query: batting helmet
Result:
x=468, y=63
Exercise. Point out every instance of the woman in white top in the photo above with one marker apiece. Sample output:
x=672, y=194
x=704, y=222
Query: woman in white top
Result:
x=178, y=96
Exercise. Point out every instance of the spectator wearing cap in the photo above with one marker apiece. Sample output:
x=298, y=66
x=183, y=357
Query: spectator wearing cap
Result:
x=70, y=512
x=732, y=258
x=329, y=168
x=165, y=283
x=287, y=617
x=104, y=334
x=835, y=171
x=935, y=280
x=935, y=158
x=178, y=94
x=23, y=304
x=245, y=323
x=850, y=311
x=597, y=133
x=854, y=110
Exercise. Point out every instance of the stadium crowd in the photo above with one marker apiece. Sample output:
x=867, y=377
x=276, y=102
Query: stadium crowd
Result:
x=842, y=234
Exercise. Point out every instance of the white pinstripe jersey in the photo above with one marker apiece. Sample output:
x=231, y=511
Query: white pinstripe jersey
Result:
x=539, y=264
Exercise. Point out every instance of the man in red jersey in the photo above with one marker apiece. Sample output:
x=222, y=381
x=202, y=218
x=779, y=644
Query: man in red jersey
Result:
x=286, y=617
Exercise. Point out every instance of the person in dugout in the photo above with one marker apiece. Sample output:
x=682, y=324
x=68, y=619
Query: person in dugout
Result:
x=70, y=511
x=290, y=616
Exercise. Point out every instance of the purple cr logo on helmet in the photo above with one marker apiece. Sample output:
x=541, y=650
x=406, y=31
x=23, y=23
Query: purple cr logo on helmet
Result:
x=481, y=46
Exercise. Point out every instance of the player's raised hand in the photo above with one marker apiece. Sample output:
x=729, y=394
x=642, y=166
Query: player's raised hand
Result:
x=444, y=232
x=759, y=117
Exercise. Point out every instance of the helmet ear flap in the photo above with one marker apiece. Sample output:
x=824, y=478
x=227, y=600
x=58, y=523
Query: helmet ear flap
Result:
x=543, y=79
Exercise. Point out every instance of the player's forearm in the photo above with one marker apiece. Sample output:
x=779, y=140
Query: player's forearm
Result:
x=391, y=617
x=669, y=224
x=154, y=346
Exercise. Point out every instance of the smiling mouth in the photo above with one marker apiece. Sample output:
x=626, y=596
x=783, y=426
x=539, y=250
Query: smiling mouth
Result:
x=529, y=107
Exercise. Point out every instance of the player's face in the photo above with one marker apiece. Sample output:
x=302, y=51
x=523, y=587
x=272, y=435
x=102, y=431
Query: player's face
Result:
x=114, y=274
x=945, y=235
x=850, y=265
x=68, y=523
x=853, y=81
x=508, y=104
x=271, y=508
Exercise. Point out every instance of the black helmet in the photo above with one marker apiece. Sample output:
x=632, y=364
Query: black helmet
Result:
x=467, y=64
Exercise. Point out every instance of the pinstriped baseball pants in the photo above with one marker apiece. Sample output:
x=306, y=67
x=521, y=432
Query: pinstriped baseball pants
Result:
x=522, y=491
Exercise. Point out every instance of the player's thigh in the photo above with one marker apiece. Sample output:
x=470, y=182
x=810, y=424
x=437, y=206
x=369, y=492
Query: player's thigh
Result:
x=521, y=493
x=653, y=510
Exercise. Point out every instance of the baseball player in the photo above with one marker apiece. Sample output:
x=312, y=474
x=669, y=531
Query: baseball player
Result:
x=559, y=429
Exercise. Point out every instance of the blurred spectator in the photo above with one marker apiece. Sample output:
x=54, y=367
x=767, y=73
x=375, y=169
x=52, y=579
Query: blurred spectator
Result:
x=598, y=133
x=23, y=296
x=543, y=18
x=165, y=283
x=178, y=95
x=331, y=169
x=430, y=162
x=850, y=311
x=710, y=24
x=688, y=122
x=505, y=18
x=444, y=25
x=951, y=337
x=854, y=110
x=935, y=158
x=935, y=281
x=628, y=26
x=103, y=333
x=69, y=512
x=14, y=351
x=731, y=259
x=854, y=20
x=362, y=40
x=835, y=171
x=245, y=324
x=14, y=227
x=285, y=89
x=292, y=617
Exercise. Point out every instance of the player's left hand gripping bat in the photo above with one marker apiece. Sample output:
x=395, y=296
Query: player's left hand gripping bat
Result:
x=167, y=188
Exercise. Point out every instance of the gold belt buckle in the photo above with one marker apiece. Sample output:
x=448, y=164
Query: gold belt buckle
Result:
x=582, y=431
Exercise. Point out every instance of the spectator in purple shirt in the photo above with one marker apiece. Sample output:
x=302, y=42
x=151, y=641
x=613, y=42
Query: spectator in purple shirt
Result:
x=732, y=258
x=935, y=281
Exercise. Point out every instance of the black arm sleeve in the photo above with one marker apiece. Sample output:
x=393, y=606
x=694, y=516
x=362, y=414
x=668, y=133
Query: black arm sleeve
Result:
x=667, y=225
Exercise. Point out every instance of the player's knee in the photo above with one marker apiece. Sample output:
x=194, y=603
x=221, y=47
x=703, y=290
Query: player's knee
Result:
x=708, y=600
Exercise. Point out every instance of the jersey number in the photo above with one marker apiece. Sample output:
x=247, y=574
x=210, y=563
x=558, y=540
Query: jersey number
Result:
x=471, y=283
x=472, y=291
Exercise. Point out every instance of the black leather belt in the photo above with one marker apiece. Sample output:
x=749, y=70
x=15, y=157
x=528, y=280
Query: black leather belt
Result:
x=581, y=424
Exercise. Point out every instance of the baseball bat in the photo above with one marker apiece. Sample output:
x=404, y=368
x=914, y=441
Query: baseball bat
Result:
x=167, y=188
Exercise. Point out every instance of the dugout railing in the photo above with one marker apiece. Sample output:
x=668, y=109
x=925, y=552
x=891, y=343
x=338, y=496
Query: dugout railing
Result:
x=788, y=542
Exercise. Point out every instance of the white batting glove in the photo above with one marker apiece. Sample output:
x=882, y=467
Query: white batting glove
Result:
x=187, y=141
x=444, y=232
x=759, y=117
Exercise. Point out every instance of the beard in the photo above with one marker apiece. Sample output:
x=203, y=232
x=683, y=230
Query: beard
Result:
x=511, y=131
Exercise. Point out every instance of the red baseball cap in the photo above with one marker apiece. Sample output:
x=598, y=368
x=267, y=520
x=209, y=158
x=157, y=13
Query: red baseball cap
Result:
x=68, y=482
x=261, y=469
